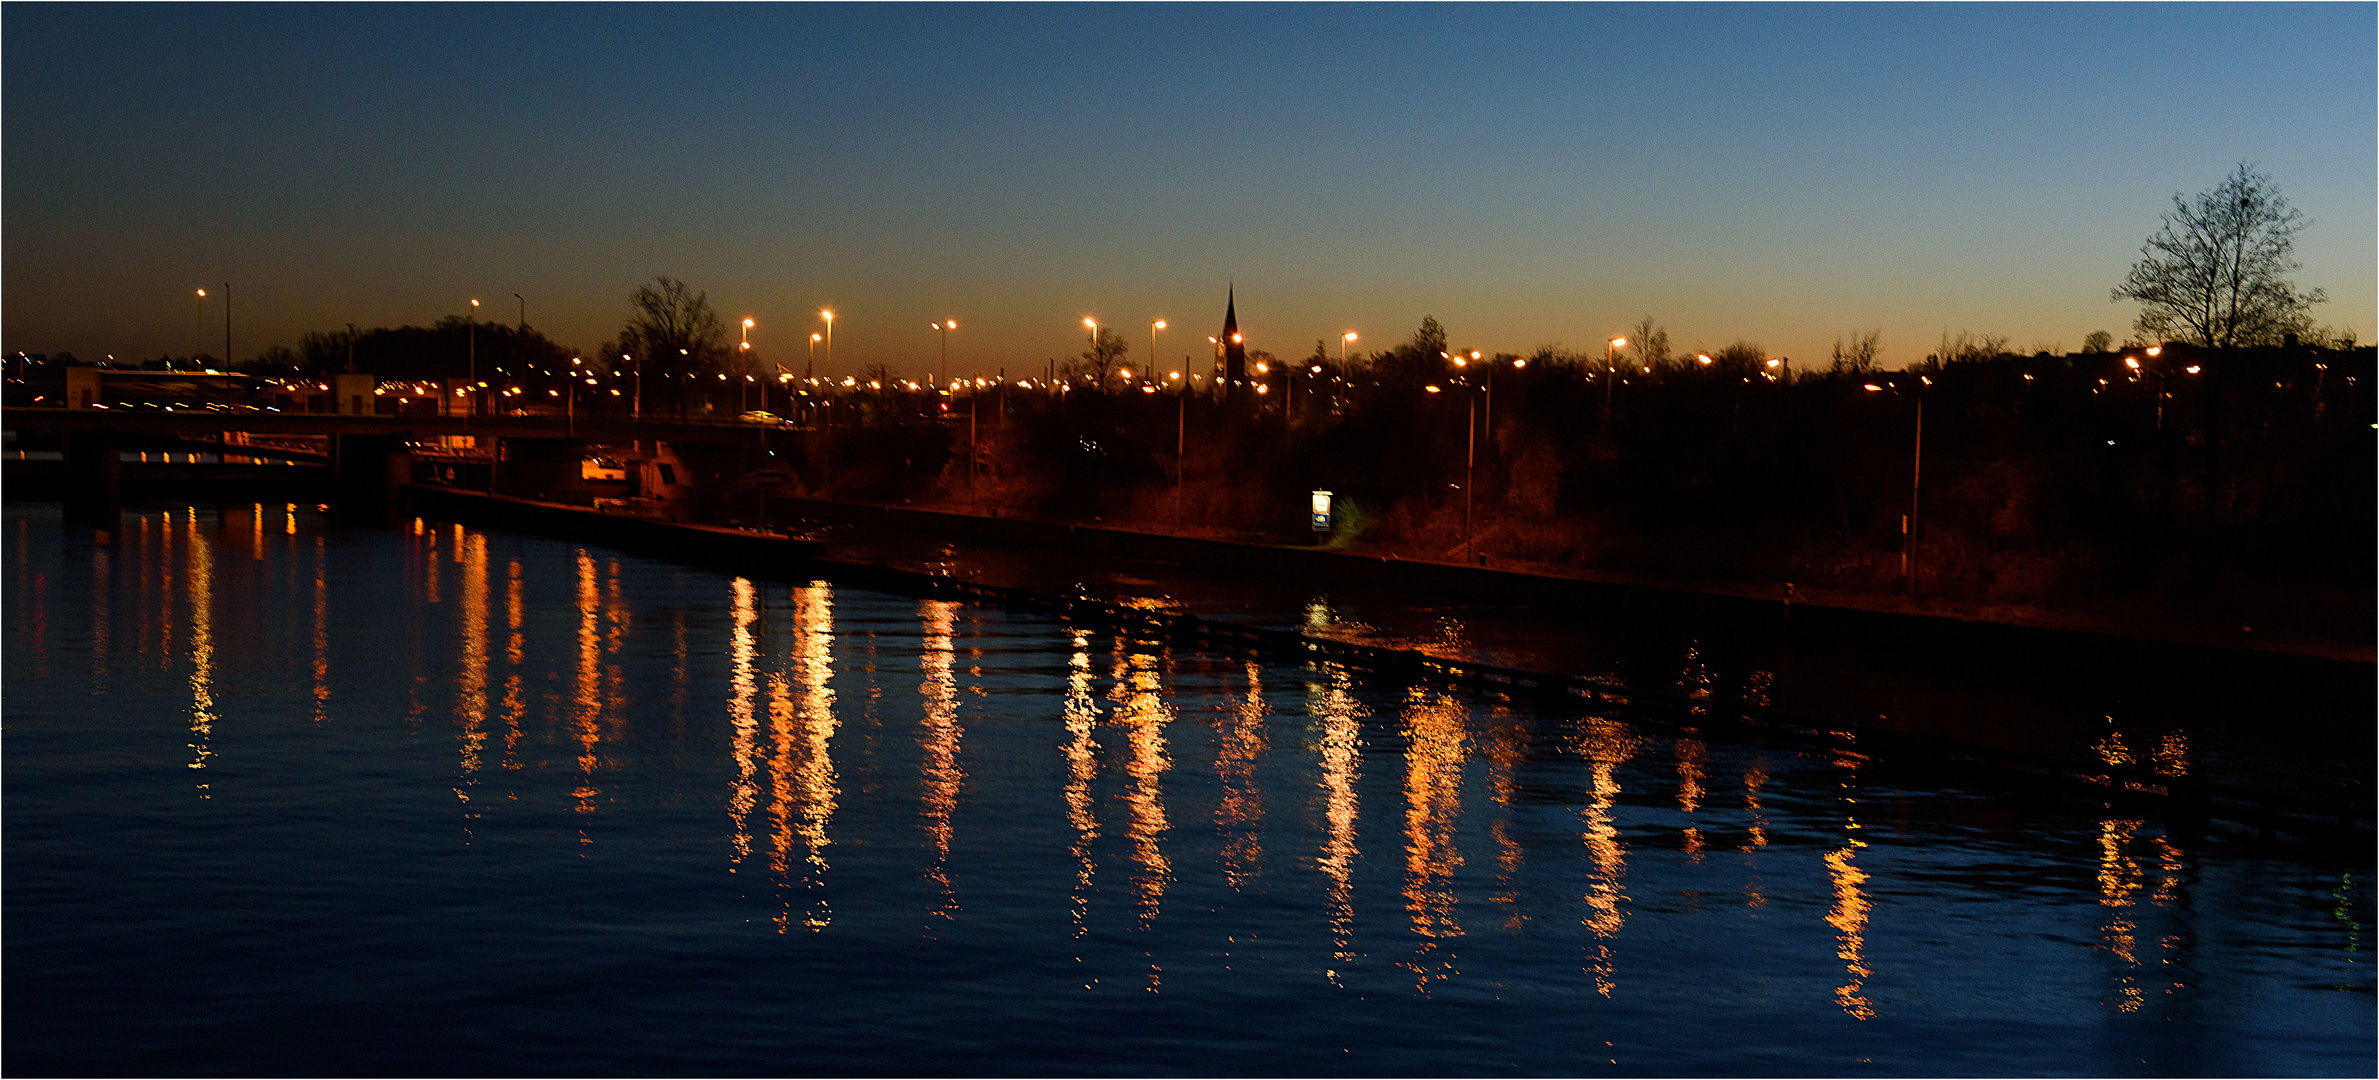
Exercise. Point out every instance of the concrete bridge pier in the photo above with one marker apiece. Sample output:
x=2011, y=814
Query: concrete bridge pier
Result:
x=369, y=473
x=94, y=493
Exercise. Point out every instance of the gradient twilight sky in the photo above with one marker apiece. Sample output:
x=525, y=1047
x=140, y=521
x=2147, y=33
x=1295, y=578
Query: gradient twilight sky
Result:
x=1530, y=175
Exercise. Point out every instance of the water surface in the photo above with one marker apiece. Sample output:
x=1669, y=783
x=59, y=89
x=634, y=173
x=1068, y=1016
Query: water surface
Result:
x=284, y=797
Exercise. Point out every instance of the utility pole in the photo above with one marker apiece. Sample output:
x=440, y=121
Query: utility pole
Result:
x=1469, y=469
x=1916, y=473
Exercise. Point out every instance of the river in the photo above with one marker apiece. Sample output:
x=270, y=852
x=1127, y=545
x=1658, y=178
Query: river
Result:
x=283, y=796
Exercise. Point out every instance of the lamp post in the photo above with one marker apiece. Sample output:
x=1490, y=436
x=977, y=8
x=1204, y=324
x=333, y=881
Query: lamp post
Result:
x=199, y=340
x=742, y=398
x=636, y=404
x=1469, y=476
x=828, y=315
x=1916, y=473
x=944, y=327
x=1611, y=371
x=1152, y=329
x=1180, y=440
x=524, y=313
x=472, y=343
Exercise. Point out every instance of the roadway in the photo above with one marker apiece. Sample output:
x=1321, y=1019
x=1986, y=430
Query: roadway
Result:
x=207, y=422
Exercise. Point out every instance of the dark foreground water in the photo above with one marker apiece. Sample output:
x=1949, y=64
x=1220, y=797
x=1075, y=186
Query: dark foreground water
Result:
x=282, y=798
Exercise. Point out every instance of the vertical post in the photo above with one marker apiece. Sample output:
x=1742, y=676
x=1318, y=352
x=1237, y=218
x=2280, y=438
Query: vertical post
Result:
x=973, y=404
x=1916, y=473
x=1180, y=442
x=226, y=324
x=1470, y=461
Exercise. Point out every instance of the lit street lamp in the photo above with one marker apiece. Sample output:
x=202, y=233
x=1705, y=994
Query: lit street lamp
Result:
x=1152, y=329
x=472, y=341
x=200, y=340
x=1916, y=473
x=1180, y=425
x=828, y=315
x=1611, y=370
x=945, y=326
x=746, y=350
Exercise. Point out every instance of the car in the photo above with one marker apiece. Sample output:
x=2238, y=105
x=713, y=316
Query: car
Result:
x=760, y=416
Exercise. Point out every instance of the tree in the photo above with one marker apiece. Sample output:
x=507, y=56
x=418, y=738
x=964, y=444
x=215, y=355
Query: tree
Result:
x=1857, y=356
x=1105, y=351
x=1966, y=346
x=1420, y=358
x=279, y=361
x=1651, y=344
x=2098, y=341
x=1742, y=359
x=679, y=336
x=2216, y=273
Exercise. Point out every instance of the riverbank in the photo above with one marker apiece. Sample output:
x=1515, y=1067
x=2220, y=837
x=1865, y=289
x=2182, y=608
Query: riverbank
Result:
x=1525, y=583
x=1921, y=694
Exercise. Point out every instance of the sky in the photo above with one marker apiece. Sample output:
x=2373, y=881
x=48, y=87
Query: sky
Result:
x=1529, y=175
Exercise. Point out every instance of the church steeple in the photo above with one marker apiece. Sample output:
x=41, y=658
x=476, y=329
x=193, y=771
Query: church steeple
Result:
x=1234, y=349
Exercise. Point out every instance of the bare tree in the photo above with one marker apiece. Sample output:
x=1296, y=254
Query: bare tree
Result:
x=1966, y=345
x=1650, y=343
x=2216, y=273
x=1857, y=355
x=2098, y=341
x=676, y=329
x=1105, y=352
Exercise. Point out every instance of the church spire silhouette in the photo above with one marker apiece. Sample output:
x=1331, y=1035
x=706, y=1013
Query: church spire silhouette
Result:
x=1234, y=350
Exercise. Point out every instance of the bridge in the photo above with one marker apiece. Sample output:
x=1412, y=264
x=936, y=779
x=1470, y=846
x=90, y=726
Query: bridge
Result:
x=370, y=456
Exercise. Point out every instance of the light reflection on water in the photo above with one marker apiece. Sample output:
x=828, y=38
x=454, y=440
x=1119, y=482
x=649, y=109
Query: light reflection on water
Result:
x=991, y=830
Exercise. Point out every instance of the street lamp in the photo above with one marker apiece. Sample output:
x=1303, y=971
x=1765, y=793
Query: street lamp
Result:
x=472, y=343
x=1152, y=329
x=1611, y=369
x=746, y=349
x=828, y=315
x=1916, y=473
x=524, y=313
x=945, y=326
x=200, y=341
x=1342, y=340
x=1180, y=425
x=811, y=368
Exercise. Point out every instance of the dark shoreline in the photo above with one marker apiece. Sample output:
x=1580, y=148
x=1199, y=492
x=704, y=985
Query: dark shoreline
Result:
x=1925, y=758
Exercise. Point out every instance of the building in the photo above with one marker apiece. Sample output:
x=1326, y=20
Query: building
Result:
x=1234, y=347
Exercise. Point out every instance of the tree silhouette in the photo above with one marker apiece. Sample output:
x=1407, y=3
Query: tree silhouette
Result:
x=679, y=335
x=1106, y=350
x=2216, y=273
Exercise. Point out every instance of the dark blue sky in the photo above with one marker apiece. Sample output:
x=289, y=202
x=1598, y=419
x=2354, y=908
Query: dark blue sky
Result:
x=1529, y=175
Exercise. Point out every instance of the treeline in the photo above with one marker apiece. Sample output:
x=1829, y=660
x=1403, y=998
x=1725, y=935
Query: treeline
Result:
x=2226, y=480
